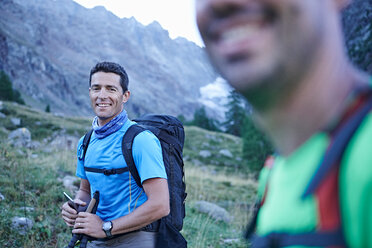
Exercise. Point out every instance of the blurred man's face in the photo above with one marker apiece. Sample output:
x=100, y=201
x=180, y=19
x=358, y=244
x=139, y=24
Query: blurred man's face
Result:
x=261, y=43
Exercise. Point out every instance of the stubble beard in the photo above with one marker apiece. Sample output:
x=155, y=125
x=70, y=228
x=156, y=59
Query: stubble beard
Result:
x=278, y=80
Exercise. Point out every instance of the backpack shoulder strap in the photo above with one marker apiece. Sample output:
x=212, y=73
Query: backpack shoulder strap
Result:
x=85, y=144
x=265, y=174
x=339, y=142
x=126, y=147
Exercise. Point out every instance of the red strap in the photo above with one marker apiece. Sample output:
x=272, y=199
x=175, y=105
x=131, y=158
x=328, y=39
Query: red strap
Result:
x=327, y=194
x=328, y=202
x=269, y=163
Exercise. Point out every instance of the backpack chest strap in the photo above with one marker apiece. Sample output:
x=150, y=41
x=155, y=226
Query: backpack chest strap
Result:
x=107, y=172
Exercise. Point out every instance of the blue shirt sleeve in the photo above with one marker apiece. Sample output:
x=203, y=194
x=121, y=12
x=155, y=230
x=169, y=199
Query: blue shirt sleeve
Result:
x=148, y=157
x=80, y=172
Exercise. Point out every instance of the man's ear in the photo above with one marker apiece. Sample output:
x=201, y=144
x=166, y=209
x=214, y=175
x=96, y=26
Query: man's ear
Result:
x=342, y=4
x=126, y=96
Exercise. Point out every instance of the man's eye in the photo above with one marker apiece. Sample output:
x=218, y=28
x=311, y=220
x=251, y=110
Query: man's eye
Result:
x=112, y=89
x=95, y=88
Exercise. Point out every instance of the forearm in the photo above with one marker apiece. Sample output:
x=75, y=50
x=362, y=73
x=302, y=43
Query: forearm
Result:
x=84, y=191
x=145, y=214
x=156, y=206
x=83, y=195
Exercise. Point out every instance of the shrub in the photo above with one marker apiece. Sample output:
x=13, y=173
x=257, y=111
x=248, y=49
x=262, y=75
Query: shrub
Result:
x=202, y=120
x=7, y=92
x=256, y=146
x=47, y=108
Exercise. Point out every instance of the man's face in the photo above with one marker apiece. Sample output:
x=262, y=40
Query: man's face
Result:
x=259, y=44
x=106, y=96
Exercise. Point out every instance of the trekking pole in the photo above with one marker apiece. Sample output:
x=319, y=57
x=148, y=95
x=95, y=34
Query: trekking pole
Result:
x=84, y=241
x=74, y=239
x=92, y=208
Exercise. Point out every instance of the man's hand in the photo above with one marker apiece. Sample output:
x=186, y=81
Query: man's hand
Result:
x=89, y=224
x=69, y=214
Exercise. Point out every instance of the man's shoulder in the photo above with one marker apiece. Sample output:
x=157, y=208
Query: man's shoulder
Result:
x=361, y=141
x=357, y=158
x=145, y=138
x=355, y=184
x=144, y=135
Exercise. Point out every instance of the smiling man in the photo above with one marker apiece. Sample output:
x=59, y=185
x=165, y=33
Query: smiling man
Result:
x=126, y=211
x=107, y=97
x=287, y=57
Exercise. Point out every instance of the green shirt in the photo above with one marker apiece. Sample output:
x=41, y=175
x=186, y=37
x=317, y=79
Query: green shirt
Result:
x=285, y=211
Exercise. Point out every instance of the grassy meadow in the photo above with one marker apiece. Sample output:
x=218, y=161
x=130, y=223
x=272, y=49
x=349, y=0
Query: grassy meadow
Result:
x=31, y=182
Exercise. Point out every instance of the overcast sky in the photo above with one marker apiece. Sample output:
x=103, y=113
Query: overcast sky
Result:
x=176, y=16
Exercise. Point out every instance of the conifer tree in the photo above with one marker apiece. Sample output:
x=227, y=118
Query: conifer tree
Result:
x=6, y=90
x=202, y=120
x=47, y=108
x=236, y=114
x=256, y=146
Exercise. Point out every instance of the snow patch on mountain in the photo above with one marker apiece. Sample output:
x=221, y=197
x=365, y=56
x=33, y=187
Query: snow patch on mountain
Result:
x=214, y=97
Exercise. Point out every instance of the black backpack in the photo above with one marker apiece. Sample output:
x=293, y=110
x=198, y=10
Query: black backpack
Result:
x=170, y=132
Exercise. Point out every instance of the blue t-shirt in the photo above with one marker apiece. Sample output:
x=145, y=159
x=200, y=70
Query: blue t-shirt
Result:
x=119, y=193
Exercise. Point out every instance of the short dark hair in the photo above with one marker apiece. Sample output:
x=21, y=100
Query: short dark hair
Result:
x=114, y=68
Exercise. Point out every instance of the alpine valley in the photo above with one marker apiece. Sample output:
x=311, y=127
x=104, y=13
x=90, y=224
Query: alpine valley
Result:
x=47, y=49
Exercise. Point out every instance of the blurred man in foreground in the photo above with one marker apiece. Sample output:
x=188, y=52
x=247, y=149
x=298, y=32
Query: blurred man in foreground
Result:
x=288, y=59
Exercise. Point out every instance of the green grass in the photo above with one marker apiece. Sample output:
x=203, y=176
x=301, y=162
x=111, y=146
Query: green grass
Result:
x=198, y=139
x=226, y=190
x=33, y=178
x=30, y=182
x=42, y=124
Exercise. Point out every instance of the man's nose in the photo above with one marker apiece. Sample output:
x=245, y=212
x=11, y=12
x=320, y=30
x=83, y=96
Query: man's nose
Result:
x=102, y=93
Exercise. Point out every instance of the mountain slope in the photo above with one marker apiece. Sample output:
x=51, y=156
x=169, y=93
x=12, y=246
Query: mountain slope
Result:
x=48, y=47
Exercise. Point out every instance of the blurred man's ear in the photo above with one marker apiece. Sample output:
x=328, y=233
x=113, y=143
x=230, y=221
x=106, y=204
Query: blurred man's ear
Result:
x=342, y=4
x=126, y=96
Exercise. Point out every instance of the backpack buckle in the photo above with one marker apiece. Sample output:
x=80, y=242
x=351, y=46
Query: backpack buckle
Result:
x=81, y=152
x=109, y=172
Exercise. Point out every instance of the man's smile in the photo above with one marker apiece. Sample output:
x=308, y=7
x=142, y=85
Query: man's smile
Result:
x=102, y=105
x=238, y=34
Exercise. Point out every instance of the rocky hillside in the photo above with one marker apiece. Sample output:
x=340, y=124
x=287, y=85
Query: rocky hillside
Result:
x=48, y=47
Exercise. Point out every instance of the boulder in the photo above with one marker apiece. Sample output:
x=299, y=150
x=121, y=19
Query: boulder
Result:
x=15, y=121
x=68, y=182
x=205, y=153
x=20, y=137
x=27, y=209
x=22, y=224
x=226, y=153
x=231, y=241
x=213, y=210
x=64, y=142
